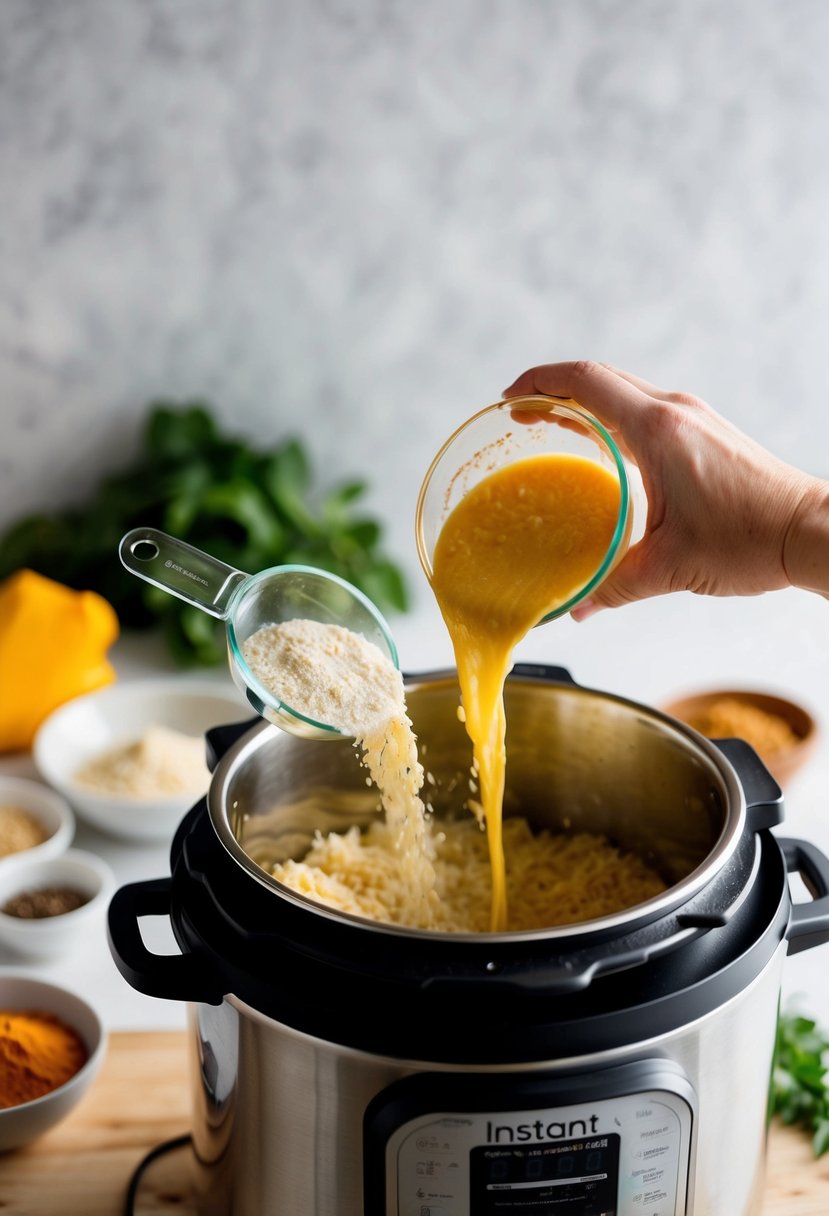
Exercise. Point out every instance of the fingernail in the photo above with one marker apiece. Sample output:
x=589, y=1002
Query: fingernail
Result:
x=583, y=610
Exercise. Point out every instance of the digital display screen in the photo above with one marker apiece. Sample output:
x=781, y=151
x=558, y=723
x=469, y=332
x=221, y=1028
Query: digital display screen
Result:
x=576, y=1178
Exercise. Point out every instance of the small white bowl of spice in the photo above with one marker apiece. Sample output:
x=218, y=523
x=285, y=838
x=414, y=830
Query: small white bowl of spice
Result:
x=52, y=1045
x=53, y=906
x=35, y=821
x=130, y=758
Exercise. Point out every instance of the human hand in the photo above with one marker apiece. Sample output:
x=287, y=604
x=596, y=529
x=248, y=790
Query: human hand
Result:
x=725, y=517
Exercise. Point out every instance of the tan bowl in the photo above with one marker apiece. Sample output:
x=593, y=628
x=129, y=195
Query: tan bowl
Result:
x=782, y=732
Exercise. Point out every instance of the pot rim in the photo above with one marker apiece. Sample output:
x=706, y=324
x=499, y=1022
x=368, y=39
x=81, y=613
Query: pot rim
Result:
x=640, y=914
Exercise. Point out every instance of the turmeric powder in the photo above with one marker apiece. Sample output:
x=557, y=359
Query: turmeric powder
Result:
x=38, y=1052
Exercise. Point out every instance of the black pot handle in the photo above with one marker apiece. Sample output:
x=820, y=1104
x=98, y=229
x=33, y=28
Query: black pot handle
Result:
x=574, y=975
x=542, y=671
x=174, y=977
x=764, y=798
x=220, y=739
x=809, y=924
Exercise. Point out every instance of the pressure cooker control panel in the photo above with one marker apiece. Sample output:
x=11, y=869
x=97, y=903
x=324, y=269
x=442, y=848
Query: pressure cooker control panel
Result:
x=612, y=1143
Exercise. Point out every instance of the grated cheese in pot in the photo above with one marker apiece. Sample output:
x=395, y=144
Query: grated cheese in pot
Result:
x=552, y=878
x=160, y=763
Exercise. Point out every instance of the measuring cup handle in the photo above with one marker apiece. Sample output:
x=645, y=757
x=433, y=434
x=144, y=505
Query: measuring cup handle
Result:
x=193, y=576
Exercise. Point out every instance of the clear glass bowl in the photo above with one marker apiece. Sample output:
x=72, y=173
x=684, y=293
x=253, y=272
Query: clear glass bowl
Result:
x=493, y=439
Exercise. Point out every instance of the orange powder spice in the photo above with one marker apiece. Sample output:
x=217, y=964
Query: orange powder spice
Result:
x=38, y=1052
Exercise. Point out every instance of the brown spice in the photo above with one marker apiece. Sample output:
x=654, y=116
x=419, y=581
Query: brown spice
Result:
x=47, y=901
x=38, y=1052
x=727, y=716
x=19, y=830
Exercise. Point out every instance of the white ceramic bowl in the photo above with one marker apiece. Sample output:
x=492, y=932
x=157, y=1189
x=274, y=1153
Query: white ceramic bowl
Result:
x=120, y=714
x=19, y=1124
x=45, y=804
x=52, y=936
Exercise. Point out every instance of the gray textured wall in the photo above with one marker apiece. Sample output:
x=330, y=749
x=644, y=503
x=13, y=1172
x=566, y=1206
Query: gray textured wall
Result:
x=357, y=221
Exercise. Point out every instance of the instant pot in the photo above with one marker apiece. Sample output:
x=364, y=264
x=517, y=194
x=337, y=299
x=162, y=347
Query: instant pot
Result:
x=617, y=1067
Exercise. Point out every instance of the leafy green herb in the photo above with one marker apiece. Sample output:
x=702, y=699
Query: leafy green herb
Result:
x=252, y=509
x=799, y=1092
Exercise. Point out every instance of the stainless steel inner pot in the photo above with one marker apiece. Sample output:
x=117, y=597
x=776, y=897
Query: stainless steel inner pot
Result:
x=577, y=760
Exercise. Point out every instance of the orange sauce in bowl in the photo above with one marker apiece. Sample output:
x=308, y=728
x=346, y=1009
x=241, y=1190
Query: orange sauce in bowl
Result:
x=518, y=545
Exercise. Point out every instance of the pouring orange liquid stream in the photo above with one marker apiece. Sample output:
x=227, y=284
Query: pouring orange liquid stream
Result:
x=517, y=546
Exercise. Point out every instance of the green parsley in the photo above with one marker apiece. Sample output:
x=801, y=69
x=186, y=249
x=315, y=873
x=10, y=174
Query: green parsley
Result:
x=799, y=1092
x=252, y=509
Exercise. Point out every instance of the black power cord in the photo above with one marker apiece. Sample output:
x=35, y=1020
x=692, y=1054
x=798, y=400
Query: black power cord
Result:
x=168, y=1146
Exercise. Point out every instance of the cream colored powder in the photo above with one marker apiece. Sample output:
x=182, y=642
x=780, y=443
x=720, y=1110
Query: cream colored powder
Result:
x=19, y=830
x=326, y=672
x=340, y=678
x=160, y=763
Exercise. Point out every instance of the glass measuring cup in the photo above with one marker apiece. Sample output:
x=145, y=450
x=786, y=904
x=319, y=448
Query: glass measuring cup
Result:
x=247, y=602
x=492, y=439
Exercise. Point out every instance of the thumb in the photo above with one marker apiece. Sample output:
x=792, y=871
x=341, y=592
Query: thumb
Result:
x=626, y=584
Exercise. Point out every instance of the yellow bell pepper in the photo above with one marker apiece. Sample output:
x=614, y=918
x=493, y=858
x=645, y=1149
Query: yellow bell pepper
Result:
x=53, y=646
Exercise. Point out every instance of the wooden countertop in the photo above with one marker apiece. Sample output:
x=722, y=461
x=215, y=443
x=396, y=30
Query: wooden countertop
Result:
x=141, y=1098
